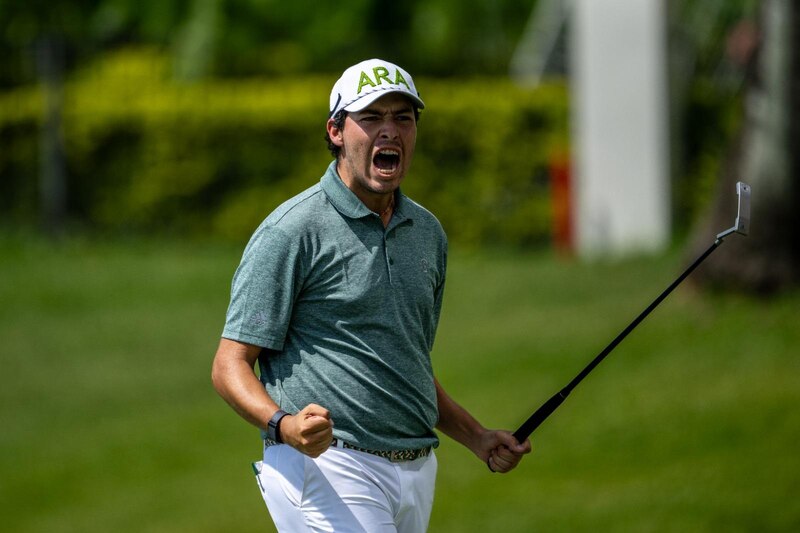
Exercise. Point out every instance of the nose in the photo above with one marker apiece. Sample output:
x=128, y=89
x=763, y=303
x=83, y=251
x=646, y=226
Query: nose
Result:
x=389, y=129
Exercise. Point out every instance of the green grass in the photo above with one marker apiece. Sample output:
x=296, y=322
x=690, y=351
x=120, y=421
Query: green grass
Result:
x=108, y=421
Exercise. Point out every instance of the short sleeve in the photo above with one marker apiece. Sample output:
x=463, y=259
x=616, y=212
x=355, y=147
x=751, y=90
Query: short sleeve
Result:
x=264, y=289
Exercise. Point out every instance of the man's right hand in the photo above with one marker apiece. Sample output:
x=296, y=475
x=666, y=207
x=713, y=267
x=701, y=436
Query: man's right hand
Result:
x=310, y=431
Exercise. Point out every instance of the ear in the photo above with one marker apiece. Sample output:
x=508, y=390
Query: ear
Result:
x=334, y=133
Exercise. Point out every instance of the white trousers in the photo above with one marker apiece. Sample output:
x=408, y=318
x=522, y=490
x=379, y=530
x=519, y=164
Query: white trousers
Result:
x=345, y=491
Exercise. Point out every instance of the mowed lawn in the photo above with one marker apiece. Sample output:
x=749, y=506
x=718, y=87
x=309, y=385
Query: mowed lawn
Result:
x=108, y=421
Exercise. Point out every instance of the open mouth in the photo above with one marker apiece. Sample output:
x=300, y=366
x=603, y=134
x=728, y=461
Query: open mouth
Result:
x=386, y=160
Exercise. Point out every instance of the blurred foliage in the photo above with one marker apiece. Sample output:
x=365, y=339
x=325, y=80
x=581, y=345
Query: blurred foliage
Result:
x=234, y=38
x=144, y=150
x=713, y=118
x=147, y=153
x=707, y=79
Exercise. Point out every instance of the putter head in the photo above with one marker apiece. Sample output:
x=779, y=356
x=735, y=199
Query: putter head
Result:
x=742, y=224
x=743, y=211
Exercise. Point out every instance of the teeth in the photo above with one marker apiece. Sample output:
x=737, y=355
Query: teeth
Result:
x=389, y=152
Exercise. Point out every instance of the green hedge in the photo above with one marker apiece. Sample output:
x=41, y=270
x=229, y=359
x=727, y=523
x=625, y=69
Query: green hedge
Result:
x=147, y=154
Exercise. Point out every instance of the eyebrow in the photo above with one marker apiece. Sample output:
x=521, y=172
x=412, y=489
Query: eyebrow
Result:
x=396, y=111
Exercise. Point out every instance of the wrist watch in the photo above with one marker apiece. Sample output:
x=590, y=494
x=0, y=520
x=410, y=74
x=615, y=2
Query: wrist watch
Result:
x=272, y=425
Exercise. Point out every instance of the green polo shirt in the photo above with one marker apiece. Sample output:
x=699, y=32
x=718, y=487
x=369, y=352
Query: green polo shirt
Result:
x=346, y=311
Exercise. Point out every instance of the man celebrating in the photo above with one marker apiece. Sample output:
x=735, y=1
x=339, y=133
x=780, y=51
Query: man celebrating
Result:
x=337, y=298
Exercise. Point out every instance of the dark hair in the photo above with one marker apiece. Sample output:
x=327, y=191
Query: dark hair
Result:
x=338, y=122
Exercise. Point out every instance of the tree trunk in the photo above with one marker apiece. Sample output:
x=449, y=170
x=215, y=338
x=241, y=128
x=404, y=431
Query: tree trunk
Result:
x=765, y=155
x=52, y=174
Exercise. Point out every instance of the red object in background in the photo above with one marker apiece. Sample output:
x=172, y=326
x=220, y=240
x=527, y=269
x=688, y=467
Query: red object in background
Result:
x=561, y=198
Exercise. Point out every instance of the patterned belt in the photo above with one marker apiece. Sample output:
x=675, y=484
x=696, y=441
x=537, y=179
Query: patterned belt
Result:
x=395, y=456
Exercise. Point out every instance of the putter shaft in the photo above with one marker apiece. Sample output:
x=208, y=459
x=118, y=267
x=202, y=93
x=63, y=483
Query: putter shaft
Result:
x=741, y=226
x=547, y=408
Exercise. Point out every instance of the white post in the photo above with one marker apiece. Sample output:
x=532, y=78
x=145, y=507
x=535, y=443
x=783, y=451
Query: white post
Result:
x=619, y=127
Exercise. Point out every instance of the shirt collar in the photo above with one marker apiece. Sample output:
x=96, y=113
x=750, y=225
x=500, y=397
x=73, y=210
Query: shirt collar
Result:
x=347, y=203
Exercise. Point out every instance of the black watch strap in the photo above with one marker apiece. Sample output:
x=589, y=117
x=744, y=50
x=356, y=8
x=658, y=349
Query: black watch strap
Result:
x=272, y=425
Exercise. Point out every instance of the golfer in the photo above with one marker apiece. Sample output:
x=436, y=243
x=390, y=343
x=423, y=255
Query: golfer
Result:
x=337, y=299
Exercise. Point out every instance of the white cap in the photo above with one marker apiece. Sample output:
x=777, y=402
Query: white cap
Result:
x=362, y=84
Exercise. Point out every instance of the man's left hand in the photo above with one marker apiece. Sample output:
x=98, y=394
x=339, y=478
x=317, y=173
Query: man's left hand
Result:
x=503, y=451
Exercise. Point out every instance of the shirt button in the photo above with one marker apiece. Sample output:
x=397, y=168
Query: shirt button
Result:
x=391, y=261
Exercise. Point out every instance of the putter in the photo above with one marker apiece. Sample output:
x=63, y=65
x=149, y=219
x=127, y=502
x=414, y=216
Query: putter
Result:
x=741, y=226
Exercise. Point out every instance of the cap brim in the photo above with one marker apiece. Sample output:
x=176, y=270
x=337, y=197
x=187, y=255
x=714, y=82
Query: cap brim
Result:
x=363, y=103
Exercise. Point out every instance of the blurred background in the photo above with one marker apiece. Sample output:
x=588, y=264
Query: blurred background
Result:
x=578, y=153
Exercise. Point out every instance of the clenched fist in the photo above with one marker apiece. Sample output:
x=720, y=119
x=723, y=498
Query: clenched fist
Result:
x=310, y=431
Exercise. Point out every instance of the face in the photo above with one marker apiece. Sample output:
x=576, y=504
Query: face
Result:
x=377, y=146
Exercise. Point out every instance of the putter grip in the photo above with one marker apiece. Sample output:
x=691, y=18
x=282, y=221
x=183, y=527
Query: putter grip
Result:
x=539, y=416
